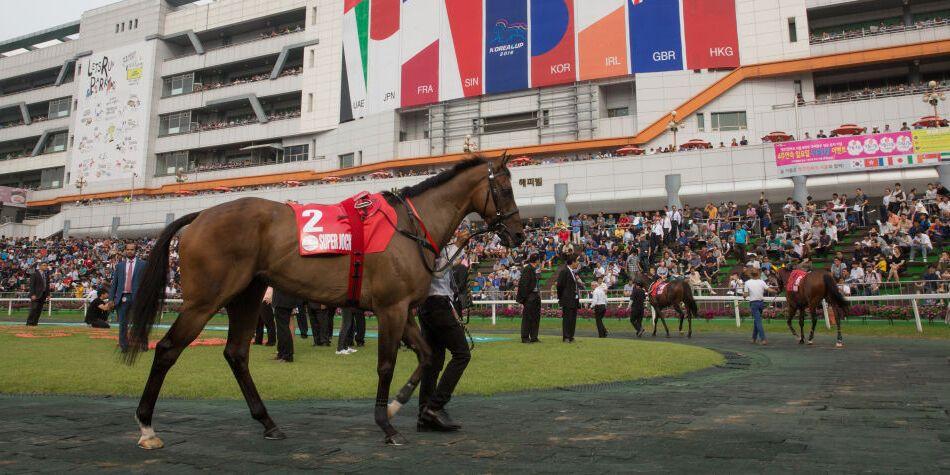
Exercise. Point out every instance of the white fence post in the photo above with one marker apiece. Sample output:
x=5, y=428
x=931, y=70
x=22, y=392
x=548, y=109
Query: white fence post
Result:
x=920, y=328
x=10, y=307
x=49, y=310
x=493, y=314
x=824, y=309
x=653, y=313
x=735, y=305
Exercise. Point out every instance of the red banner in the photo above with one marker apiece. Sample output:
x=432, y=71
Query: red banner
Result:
x=712, y=40
x=420, y=77
x=552, y=39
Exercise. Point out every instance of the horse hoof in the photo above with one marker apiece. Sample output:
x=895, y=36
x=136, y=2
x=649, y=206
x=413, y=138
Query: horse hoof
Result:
x=839, y=344
x=151, y=443
x=274, y=434
x=396, y=440
x=810, y=342
x=801, y=342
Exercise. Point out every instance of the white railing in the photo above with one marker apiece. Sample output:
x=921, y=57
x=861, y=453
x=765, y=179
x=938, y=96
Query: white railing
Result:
x=734, y=300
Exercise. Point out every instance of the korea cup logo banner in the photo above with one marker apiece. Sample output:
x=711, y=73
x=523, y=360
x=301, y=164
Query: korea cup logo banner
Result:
x=110, y=132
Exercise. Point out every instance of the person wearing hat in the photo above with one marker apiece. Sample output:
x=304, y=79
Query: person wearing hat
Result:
x=530, y=299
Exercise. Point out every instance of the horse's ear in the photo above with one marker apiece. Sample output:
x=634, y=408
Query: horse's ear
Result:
x=504, y=159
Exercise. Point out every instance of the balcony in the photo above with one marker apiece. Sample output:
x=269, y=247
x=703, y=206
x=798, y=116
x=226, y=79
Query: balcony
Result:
x=39, y=162
x=290, y=81
x=220, y=133
x=231, y=53
x=881, y=38
x=40, y=124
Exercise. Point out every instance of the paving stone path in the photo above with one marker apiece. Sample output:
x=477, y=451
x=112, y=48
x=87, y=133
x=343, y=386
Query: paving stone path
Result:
x=880, y=405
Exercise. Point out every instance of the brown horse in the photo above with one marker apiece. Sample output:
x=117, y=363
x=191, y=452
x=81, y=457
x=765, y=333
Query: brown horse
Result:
x=230, y=253
x=818, y=285
x=676, y=293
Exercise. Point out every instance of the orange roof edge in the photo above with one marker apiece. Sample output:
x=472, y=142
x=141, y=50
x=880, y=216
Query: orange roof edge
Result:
x=654, y=130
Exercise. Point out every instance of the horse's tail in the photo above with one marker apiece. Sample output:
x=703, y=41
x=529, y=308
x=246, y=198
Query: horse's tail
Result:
x=833, y=295
x=689, y=300
x=151, y=292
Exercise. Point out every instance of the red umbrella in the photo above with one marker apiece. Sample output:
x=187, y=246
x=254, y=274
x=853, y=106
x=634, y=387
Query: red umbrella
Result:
x=221, y=188
x=381, y=175
x=695, y=144
x=292, y=183
x=849, y=129
x=931, y=121
x=522, y=160
x=629, y=150
x=331, y=179
x=777, y=137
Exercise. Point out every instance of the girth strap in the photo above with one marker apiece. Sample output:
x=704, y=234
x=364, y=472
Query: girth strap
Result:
x=357, y=254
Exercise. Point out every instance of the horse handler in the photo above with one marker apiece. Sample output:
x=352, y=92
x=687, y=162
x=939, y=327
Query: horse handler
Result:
x=755, y=290
x=442, y=330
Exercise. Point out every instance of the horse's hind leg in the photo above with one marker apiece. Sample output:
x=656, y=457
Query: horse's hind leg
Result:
x=186, y=328
x=814, y=321
x=659, y=315
x=679, y=311
x=243, y=313
x=792, y=310
x=801, y=325
x=413, y=337
x=656, y=316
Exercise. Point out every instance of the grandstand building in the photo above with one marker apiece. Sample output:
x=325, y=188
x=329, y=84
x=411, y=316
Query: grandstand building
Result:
x=144, y=110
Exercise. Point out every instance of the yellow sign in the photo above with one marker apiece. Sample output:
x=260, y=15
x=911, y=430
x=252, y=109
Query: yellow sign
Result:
x=133, y=73
x=932, y=140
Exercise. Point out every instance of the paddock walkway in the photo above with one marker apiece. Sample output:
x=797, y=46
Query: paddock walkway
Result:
x=880, y=405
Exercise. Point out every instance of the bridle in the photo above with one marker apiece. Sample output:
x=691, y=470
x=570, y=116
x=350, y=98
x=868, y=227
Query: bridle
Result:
x=495, y=225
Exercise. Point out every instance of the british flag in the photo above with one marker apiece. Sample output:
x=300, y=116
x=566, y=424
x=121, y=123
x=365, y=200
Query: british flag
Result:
x=637, y=2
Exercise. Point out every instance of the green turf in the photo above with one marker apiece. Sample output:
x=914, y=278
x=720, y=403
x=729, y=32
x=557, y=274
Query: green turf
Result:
x=77, y=364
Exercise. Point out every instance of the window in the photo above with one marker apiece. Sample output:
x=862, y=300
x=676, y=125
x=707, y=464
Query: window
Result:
x=510, y=122
x=136, y=23
x=59, y=108
x=56, y=142
x=312, y=58
x=618, y=112
x=701, y=121
x=725, y=121
x=310, y=102
x=313, y=16
x=175, y=123
x=297, y=153
x=181, y=84
x=170, y=163
x=346, y=160
x=116, y=27
x=52, y=178
x=792, y=31
x=545, y=117
x=123, y=26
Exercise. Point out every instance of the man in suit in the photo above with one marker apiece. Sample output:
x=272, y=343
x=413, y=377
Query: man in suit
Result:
x=637, y=301
x=126, y=279
x=358, y=335
x=266, y=320
x=302, y=321
x=568, y=297
x=284, y=304
x=530, y=299
x=39, y=293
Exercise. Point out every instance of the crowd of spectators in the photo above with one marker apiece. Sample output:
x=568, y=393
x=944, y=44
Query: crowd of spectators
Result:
x=245, y=79
x=244, y=120
x=892, y=25
x=19, y=122
x=880, y=91
x=274, y=33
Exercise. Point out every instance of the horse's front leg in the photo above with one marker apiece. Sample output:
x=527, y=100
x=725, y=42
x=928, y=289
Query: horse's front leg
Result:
x=392, y=323
x=413, y=337
x=682, y=317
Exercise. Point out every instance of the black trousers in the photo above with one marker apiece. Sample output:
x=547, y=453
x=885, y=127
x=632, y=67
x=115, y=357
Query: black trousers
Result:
x=302, y=321
x=599, y=312
x=346, y=329
x=531, y=318
x=323, y=326
x=357, y=336
x=442, y=331
x=285, y=340
x=36, y=308
x=265, y=320
x=636, y=317
x=568, y=322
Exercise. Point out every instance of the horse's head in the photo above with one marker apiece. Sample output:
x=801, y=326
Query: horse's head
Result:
x=498, y=207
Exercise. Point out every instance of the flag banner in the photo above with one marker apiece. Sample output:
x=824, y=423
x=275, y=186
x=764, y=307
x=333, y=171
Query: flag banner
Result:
x=601, y=39
x=355, y=48
x=655, y=40
x=712, y=39
x=420, y=52
x=460, y=49
x=382, y=92
x=552, y=42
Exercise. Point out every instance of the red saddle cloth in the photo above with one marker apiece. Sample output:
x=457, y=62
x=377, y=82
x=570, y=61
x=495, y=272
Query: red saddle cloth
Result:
x=795, y=280
x=363, y=224
x=326, y=229
x=658, y=288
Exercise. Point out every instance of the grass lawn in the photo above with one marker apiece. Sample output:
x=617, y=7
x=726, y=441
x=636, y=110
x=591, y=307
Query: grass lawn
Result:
x=78, y=364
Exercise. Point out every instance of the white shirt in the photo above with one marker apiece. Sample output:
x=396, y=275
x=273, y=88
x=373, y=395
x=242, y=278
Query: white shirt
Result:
x=923, y=240
x=755, y=288
x=599, y=296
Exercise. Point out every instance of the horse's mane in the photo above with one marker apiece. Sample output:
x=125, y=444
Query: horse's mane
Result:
x=441, y=178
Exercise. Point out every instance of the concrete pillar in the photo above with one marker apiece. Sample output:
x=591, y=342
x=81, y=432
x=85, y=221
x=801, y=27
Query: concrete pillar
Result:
x=673, y=183
x=914, y=72
x=800, y=194
x=907, y=16
x=560, y=202
x=943, y=170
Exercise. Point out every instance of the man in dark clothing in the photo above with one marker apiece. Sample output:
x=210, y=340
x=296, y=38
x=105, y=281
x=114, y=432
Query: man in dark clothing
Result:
x=347, y=331
x=358, y=335
x=266, y=320
x=97, y=313
x=568, y=298
x=321, y=319
x=39, y=294
x=284, y=304
x=637, y=301
x=126, y=278
x=530, y=298
x=302, y=321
